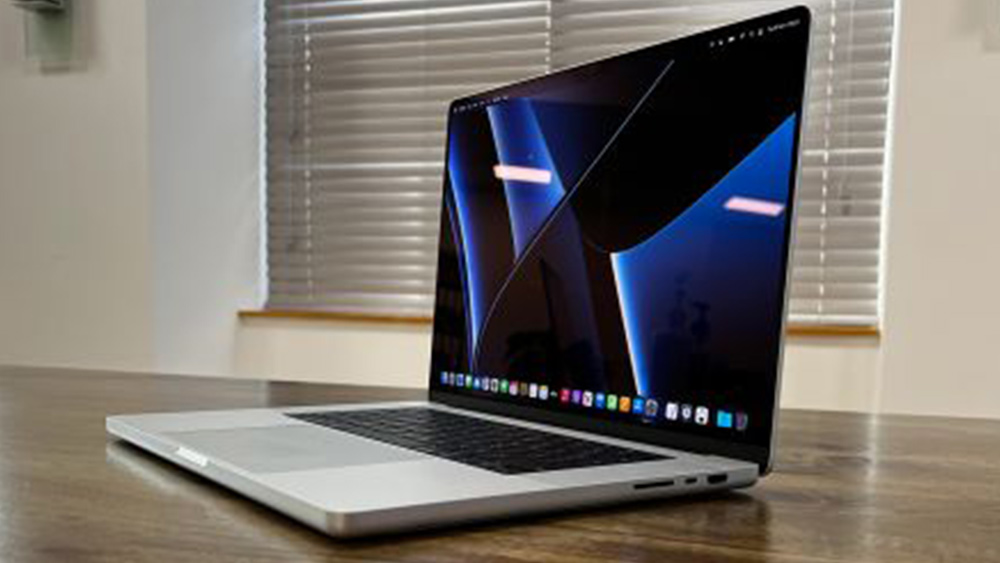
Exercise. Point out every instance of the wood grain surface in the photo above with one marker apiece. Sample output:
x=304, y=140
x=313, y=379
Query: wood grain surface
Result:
x=847, y=487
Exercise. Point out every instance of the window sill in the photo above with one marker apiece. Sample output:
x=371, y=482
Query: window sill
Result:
x=834, y=331
x=809, y=331
x=330, y=316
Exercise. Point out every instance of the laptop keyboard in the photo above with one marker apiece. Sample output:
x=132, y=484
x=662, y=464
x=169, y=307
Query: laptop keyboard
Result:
x=494, y=446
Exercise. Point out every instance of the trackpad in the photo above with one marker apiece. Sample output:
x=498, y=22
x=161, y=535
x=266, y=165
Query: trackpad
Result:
x=289, y=448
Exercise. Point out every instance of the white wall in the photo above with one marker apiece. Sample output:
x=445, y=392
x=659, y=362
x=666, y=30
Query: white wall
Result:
x=204, y=159
x=343, y=352
x=129, y=188
x=74, y=242
x=942, y=338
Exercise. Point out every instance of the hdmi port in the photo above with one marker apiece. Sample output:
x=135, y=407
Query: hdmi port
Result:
x=717, y=479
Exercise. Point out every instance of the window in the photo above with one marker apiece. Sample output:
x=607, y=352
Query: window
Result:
x=357, y=92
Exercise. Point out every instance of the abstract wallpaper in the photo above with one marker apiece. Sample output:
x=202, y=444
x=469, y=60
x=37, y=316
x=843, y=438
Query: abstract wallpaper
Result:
x=623, y=227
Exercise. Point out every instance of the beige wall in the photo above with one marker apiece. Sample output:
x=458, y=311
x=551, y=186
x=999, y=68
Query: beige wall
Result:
x=343, y=352
x=130, y=187
x=74, y=260
x=942, y=338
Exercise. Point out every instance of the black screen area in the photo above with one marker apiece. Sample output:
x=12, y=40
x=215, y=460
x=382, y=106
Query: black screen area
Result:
x=615, y=237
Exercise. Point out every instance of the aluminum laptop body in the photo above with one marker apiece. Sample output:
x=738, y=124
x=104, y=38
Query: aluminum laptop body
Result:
x=612, y=283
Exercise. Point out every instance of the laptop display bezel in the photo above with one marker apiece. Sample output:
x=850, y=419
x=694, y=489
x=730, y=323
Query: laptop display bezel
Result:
x=760, y=455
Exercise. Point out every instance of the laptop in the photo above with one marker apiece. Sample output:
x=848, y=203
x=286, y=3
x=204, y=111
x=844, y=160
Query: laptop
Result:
x=610, y=301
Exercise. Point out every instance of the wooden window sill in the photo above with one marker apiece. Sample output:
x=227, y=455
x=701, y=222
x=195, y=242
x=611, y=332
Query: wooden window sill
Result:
x=319, y=315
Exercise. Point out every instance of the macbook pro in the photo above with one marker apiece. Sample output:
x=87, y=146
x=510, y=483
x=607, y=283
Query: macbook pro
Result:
x=611, y=291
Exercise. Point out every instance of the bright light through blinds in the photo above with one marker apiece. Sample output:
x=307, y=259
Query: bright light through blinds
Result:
x=356, y=99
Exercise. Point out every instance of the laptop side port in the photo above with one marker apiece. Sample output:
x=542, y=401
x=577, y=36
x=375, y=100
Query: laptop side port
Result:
x=717, y=479
x=653, y=485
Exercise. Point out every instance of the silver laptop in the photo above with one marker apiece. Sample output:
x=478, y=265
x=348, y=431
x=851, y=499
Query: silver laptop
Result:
x=610, y=299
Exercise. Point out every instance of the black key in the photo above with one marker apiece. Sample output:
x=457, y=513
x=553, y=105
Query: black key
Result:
x=494, y=446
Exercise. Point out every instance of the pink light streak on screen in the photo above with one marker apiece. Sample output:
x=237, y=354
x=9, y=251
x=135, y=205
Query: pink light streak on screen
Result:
x=522, y=174
x=755, y=206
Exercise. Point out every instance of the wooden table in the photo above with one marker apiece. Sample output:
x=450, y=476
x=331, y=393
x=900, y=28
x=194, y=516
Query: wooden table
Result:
x=848, y=487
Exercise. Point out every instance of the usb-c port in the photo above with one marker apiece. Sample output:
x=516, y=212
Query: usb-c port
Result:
x=717, y=479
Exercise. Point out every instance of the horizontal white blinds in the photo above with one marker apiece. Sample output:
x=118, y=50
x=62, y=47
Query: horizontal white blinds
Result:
x=357, y=94
x=356, y=98
x=836, y=274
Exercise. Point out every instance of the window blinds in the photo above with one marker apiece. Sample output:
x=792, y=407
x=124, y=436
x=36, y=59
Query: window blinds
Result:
x=356, y=99
x=357, y=94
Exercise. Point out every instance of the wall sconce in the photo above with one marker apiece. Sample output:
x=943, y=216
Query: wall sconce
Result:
x=41, y=5
x=993, y=26
x=48, y=32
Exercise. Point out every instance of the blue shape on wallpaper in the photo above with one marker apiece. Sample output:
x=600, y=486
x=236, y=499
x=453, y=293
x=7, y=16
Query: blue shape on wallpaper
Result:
x=531, y=183
x=740, y=220
x=466, y=241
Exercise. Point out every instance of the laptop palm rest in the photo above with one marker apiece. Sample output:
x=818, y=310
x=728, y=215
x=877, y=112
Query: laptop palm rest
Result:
x=288, y=448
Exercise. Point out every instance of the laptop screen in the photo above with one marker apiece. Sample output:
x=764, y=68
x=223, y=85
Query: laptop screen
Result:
x=615, y=237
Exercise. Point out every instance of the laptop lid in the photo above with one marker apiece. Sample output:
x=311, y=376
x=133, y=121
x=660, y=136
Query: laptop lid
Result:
x=615, y=241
